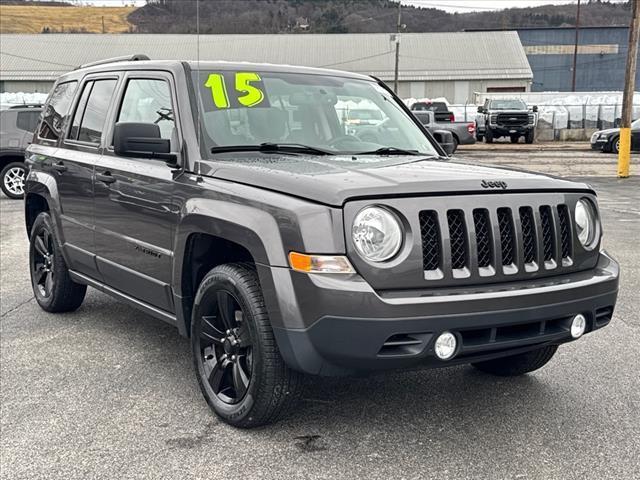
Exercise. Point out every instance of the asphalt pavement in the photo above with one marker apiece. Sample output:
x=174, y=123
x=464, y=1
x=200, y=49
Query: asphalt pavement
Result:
x=108, y=392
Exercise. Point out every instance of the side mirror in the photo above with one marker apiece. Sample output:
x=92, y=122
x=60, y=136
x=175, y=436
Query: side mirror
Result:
x=141, y=140
x=480, y=109
x=445, y=139
x=535, y=108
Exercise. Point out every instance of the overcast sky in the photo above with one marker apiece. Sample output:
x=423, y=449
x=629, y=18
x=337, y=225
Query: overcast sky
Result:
x=448, y=5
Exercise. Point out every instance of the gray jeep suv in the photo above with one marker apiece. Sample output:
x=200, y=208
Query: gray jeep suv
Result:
x=231, y=201
x=17, y=124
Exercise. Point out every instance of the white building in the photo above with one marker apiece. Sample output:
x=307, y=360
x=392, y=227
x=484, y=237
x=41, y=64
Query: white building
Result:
x=452, y=65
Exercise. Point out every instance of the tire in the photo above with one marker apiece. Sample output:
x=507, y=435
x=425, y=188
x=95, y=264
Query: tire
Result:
x=615, y=145
x=530, y=136
x=488, y=136
x=455, y=145
x=12, y=180
x=479, y=137
x=237, y=362
x=514, y=138
x=518, y=364
x=52, y=286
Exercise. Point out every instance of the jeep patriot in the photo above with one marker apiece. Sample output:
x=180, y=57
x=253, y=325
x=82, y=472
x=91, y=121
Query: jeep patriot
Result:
x=233, y=201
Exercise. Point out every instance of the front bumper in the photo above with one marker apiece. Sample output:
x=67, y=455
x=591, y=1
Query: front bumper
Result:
x=504, y=131
x=329, y=325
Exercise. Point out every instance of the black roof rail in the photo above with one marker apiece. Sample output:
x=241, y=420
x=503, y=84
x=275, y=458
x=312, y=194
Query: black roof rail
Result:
x=125, y=58
x=26, y=105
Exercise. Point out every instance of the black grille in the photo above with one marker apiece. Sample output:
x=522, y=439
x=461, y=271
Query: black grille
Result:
x=529, y=239
x=565, y=230
x=483, y=239
x=458, y=236
x=513, y=119
x=431, y=246
x=505, y=223
x=548, y=242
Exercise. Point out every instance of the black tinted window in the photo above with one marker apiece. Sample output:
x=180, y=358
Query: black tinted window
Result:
x=56, y=110
x=28, y=121
x=95, y=112
x=77, y=117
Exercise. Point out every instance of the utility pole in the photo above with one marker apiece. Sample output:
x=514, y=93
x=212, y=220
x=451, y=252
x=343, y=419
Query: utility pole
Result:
x=624, y=151
x=575, y=49
x=395, y=79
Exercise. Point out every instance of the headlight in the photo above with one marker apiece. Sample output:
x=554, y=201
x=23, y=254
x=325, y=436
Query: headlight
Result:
x=586, y=226
x=377, y=234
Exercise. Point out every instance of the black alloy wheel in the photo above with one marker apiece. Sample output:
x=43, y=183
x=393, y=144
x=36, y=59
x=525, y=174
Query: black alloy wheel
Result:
x=43, y=266
x=53, y=287
x=226, y=348
x=238, y=364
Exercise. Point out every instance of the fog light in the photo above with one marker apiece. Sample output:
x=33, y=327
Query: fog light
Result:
x=446, y=345
x=578, y=326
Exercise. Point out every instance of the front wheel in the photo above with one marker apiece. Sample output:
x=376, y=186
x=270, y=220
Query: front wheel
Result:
x=12, y=180
x=615, y=145
x=488, y=136
x=238, y=365
x=529, y=136
x=518, y=364
x=515, y=138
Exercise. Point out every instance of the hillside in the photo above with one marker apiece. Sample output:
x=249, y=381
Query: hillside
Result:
x=354, y=16
x=39, y=18
x=289, y=16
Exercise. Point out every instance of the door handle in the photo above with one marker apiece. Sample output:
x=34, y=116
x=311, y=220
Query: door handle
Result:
x=59, y=167
x=105, y=177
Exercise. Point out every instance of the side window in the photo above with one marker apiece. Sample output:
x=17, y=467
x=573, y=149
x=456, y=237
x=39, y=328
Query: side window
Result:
x=77, y=116
x=148, y=100
x=95, y=111
x=28, y=121
x=56, y=110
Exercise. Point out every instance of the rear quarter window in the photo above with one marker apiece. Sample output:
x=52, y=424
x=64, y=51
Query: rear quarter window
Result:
x=56, y=110
x=28, y=121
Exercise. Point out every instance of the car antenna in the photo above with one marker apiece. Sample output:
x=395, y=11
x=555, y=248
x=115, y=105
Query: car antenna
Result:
x=199, y=129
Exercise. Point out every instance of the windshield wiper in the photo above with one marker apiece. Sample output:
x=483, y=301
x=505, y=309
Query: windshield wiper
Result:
x=391, y=151
x=272, y=147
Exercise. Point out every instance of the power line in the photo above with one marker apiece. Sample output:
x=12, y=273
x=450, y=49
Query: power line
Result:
x=37, y=60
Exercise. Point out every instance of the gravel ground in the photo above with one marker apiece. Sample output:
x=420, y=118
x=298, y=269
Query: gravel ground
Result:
x=108, y=392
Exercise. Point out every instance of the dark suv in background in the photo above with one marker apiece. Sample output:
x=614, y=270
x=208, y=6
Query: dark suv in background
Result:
x=233, y=201
x=17, y=124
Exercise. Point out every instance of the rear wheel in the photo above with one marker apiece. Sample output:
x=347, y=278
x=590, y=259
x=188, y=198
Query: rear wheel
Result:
x=237, y=362
x=12, y=179
x=455, y=145
x=518, y=364
x=52, y=286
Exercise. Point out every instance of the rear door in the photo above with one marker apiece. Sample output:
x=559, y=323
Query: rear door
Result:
x=135, y=217
x=74, y=167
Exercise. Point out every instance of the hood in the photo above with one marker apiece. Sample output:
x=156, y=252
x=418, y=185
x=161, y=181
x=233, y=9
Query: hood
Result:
x=608, y=131
x=334, y=180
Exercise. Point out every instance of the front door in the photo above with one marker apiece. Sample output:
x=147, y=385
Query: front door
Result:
x=135, y=217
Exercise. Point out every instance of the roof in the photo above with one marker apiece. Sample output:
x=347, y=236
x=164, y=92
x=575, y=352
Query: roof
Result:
x=424, y=56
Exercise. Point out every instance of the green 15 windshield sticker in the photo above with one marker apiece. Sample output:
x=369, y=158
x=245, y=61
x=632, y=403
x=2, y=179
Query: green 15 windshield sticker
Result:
x=248, y=90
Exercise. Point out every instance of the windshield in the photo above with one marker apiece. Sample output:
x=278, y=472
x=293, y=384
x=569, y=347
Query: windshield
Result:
x=508, y=105
x=333, y=114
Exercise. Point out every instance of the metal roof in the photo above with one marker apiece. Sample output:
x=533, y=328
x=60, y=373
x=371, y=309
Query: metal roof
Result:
x=424, y=56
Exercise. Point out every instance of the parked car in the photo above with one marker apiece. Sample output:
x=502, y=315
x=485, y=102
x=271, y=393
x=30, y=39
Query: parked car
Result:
x=226, y=199
x=17, y=124
x=440, y=110
x=506, y=118
x=609, y=140
x=463, y=132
